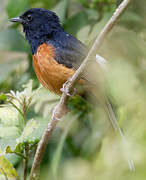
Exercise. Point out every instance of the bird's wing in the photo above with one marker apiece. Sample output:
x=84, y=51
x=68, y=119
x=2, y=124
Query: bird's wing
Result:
x=69, y=51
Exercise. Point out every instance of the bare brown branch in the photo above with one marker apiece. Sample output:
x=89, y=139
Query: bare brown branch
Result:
x=60, y=110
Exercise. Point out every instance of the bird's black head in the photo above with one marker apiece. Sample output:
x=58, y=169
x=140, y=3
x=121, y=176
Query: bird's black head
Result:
x=39, y=26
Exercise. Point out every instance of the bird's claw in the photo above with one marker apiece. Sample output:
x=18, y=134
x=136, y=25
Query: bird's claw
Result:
x=65, y=90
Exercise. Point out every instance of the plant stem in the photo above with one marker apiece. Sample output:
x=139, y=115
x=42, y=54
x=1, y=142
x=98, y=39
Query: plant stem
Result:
x=26, y=161
x=4, y=173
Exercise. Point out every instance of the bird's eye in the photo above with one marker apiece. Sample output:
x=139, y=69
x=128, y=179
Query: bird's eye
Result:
x=29, y=17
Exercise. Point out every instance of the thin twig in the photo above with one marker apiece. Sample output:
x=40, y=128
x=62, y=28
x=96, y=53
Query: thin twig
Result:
x=60, y=108
x=16, y=108
x=58, y=112
x=18, y=154
x=4, y=173
x=26, y=161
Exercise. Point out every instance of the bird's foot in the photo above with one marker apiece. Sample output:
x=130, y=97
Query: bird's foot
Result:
x=64, y=89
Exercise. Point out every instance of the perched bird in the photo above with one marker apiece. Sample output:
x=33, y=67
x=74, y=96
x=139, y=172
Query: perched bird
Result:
x=56, y=53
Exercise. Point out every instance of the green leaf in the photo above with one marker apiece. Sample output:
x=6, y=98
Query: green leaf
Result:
x=6, y=168
x=4, y=142
x=61, y=9
x=12, y=40
x=16, y=7
x=28, y=130
x=18, y=150
x=3, y=97
x=8, y=149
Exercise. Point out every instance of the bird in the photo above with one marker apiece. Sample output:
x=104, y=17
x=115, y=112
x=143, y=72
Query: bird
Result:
x=56, y=53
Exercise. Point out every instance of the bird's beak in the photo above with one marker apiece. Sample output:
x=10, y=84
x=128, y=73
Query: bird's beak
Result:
x=16, y=19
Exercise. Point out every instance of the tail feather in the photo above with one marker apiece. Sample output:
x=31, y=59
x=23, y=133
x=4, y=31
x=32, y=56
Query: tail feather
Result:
x=95, y=87
x=113, y=120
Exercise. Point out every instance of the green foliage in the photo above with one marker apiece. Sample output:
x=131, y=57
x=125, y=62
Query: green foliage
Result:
x=83, y=146
x=27, y=131
x=19, y=7
x=3, y=97
x=6, y=168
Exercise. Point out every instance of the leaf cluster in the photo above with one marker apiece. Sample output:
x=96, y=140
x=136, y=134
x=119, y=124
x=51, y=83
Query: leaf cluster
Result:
x=83, y=146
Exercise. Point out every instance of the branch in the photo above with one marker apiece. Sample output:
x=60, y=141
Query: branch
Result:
x=58, y=112
x=60, y=109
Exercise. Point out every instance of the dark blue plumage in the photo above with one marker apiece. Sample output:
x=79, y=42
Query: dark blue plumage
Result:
x=43, y=26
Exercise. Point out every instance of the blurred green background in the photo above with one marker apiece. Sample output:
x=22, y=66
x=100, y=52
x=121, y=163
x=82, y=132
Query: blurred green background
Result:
x=83, y=146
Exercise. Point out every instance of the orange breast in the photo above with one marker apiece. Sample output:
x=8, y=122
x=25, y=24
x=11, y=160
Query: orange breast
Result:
x=51, y=74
